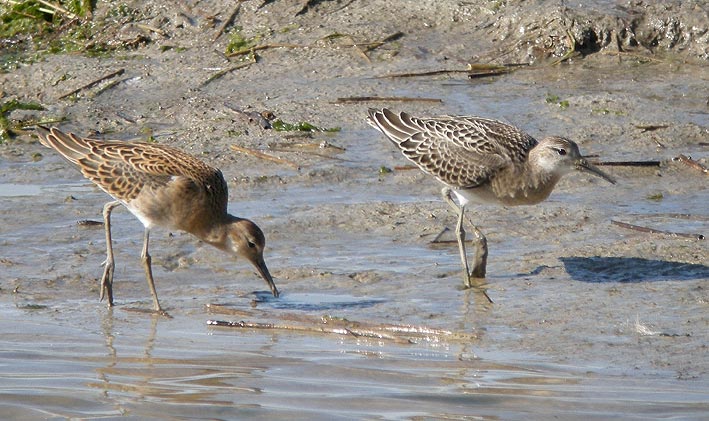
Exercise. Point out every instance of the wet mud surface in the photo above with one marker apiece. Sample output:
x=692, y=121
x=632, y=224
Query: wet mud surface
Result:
x=588, y=316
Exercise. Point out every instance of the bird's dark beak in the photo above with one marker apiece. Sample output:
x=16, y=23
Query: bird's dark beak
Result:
x=266, y=275
x=583, y=166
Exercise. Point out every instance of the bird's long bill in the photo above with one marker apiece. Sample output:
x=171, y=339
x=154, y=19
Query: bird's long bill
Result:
x=266, y=275
x=583, y=165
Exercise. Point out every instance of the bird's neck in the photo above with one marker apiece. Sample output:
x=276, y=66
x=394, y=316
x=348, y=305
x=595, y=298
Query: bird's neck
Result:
x=540, y=181
x=528, y=185
x=216, y=233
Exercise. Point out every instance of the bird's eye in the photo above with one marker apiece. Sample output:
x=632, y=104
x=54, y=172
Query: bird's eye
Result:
x=250, y=244
x=561, y=151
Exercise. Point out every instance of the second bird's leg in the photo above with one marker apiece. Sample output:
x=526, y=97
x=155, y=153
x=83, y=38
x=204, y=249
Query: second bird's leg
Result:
x=147, y=260
x=459, y=233
x=480, y=262
x=108, y=265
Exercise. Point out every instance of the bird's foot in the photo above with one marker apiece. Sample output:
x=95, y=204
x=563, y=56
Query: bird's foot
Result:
x=106, y=285
x=477, y=284
x=159, y=312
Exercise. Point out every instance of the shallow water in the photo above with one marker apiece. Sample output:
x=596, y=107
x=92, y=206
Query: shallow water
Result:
x=64, y=355
x=590, y=320
x=95, y=364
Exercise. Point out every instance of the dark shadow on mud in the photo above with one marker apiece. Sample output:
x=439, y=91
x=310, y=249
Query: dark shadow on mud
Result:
x=631, y=269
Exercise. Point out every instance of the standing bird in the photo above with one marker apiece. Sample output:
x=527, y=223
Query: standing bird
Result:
x=161, y=186
x=482, y=161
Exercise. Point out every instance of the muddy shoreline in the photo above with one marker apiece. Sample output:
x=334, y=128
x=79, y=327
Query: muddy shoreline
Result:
x=571, y=288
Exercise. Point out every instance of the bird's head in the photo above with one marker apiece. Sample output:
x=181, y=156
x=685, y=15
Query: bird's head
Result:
x=560, y=156
x=245, y=239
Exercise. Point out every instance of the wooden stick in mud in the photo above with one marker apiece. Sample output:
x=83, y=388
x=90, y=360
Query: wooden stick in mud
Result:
x=94, y=83
x=655, y=231
x=426, y=73
x=377, y=44
x=227, y=70
x=364, y=47
x=228, y=22
x=262, y=155
x=406, y=334
x=264, y=47
x=405, y=167
x=692, y=163
x=651, y=127
x=308, y=329
x=108, y=86
x=485, y=70
x=629, y=164
x=474, y=70
x=348, y=99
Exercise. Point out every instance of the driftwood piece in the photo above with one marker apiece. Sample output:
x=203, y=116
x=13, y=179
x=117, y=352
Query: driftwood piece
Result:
x=94, y=83
x=402, y=334
x=656, y=231
x=228, y=22
x=629, y=164
x=349, y=99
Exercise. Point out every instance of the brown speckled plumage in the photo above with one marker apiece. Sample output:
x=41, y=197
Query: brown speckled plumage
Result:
x=462, y=152
x=481, y=160
x=161, y=186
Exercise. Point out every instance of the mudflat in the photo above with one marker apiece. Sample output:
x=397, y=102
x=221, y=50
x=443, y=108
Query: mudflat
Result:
x=600, y=292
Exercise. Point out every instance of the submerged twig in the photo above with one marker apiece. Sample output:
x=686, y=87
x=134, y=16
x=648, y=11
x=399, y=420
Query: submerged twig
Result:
x=655, y=231
x=311, y=329
x=265, y=156
x=406, y=334
x=94, y=83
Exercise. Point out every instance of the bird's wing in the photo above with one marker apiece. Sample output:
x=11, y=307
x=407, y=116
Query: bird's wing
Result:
x=124, y=169
x=459, y=151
